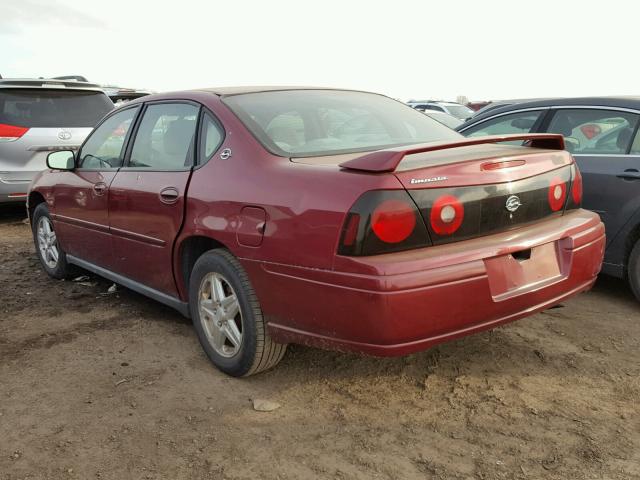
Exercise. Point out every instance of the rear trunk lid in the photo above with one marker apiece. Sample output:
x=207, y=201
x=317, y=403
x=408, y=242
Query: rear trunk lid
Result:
x=471, y=188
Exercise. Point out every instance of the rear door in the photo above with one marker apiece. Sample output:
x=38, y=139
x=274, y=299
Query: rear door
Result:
x=147, y=196
x=43, y=120
x=81, y=196
x=600, y=141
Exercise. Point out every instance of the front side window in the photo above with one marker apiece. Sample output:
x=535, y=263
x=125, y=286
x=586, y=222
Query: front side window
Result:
x=164, y=140
x=104, y=148
x=596, y=131
x=521, y=122
x=306, y=123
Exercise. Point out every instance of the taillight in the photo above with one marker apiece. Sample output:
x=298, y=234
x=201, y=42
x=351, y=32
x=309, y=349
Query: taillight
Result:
x=10, y=133
x=446, y=215
x=576, y=188
x=557, y=194
x=382, y=221
x=393, y=220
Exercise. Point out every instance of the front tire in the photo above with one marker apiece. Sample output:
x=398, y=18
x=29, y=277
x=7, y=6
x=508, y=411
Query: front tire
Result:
x=52, y=258
x=227, y=316
x=633, y=270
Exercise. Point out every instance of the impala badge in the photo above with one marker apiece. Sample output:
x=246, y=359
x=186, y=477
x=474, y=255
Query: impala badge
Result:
x=513, y=203
x=427, y=180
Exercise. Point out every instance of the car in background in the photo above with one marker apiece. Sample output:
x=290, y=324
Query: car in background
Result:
x=602, y=134
x=502, y=103
x=452, y=108
x=333, y=218
x=444, y=118
x=477, y=105
x=38, y=116
x=120, y=95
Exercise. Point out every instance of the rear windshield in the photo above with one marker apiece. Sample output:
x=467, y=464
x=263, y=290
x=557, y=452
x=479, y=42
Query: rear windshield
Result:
x=39, y=108
x=307, y=123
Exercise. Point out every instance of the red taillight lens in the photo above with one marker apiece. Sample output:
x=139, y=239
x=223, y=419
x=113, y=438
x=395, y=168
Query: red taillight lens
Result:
x=393, y=221
x=446, y=215
x=382, y=221
x=576, y=187
x=557, y=194
x=9, y=133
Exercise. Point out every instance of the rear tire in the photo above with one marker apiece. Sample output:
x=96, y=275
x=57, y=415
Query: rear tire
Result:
x=227, y=317
x=52, y=258
x=633, y=270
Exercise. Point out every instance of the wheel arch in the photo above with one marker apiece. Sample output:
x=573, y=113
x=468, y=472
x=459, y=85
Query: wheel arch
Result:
x=35, y=198
x=188, y=251
x=630, y=241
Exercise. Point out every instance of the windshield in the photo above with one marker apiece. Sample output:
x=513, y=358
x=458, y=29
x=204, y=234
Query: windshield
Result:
x=41, y=108
x=306, y=123
x=460, y=111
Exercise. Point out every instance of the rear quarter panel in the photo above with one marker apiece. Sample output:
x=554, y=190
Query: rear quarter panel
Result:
x=305, y=204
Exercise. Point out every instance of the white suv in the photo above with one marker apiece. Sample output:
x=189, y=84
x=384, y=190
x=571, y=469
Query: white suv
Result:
x=37, y=117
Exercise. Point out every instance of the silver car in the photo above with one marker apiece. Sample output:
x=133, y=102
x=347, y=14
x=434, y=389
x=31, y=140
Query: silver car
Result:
x=38, y=117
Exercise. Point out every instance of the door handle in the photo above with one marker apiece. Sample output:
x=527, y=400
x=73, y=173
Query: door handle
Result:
x=99, y=188
x=630, y=174
x=169, y=195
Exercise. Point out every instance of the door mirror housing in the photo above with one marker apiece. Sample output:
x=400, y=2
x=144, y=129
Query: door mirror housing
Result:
x=61, y=160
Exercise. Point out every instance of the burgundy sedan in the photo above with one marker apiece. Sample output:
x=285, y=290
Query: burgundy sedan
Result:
x=333, y=218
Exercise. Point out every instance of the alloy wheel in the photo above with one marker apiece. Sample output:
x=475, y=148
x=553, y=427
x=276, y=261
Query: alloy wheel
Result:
x=48, y=242
x=220, y=314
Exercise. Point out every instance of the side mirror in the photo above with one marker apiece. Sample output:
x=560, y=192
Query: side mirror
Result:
x=61, y=160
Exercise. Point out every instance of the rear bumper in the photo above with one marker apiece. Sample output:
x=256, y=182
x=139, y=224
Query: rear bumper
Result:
x=399, y=303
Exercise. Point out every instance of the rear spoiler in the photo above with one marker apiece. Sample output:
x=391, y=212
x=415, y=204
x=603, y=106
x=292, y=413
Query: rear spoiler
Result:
x=389, y=159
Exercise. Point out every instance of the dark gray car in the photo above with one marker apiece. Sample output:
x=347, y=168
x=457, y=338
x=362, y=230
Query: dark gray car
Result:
x=37, y=117
x=602, y=135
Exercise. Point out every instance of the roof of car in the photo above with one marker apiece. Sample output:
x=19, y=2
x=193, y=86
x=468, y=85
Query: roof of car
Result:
x=48, y=83
x=631, y=101
x=224, y=91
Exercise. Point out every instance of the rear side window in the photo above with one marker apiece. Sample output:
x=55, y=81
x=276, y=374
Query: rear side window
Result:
x=41, y=108
x=103, y=149
x=521, y=122
x=164, y=140
x=210, y=138
x=596, y=132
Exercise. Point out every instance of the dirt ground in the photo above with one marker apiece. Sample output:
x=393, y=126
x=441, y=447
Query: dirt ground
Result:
x=115, y=386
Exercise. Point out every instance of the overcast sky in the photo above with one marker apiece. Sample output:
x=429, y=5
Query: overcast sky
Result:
x=486, y=49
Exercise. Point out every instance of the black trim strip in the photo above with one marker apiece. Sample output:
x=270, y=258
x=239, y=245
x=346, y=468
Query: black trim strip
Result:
x=173, y=302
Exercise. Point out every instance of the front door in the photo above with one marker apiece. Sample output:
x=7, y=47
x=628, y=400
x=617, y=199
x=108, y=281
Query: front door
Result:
x=147, y=195
x=600, y=141
x=81, y=196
